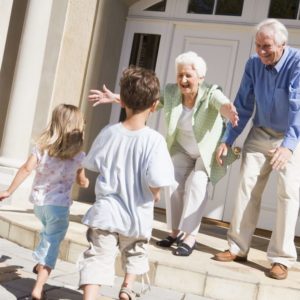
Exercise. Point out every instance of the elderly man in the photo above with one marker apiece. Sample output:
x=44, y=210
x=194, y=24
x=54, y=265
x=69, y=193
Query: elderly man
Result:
x=270, y=91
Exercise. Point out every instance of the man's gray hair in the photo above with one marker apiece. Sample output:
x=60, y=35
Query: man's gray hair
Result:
x=192, y=59
x=275, y=27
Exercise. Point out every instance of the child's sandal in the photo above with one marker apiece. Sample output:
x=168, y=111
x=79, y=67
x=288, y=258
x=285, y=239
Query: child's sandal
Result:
x=35, y=269
x=131, y=294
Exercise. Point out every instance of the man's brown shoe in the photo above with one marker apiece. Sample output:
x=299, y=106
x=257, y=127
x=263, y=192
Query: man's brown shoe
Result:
x=228, y=256
x=278, y=271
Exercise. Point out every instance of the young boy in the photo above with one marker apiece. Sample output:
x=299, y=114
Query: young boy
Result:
x=133, y=163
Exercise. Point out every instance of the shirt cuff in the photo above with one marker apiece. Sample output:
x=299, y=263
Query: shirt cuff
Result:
x=290, y=144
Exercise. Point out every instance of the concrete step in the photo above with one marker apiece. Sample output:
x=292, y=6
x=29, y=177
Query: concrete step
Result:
x=197, y=274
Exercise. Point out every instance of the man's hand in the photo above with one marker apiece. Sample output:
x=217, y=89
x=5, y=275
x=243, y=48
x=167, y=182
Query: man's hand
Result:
x=104, y=96
x=228, y=111
x=221, y=151
x=280, y=156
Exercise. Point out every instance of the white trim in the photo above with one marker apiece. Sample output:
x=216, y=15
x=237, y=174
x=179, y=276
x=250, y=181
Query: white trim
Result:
x=253, y=12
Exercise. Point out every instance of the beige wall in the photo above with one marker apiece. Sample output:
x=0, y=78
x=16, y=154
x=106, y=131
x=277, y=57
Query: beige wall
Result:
x=102, y=68
x=82, y=51
x=13, y=14
x=50, y=65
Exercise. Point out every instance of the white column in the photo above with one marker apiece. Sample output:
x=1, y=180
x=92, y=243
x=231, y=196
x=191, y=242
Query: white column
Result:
x=5, y=12
x=21, y=110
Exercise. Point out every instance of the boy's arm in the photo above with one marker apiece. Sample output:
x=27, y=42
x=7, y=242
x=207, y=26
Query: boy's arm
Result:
x=81, y=179
x=21, y=175
x=156, y=193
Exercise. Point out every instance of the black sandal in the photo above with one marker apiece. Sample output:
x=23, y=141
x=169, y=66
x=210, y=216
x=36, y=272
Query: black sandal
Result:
x=184, y=250
x=169, y=241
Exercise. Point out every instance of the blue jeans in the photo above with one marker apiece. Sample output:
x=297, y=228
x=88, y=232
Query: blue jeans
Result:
x=55, y=220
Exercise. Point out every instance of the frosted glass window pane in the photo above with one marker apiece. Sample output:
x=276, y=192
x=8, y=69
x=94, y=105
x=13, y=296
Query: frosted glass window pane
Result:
x=160, y=6
x=283, y=9
x=201, y=6
x=230, y=8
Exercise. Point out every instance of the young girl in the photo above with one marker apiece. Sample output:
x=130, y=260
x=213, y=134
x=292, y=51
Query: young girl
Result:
x=57, y=159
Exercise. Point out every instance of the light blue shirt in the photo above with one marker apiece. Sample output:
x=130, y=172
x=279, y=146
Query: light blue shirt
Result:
x=128, y=163
x=274, y=97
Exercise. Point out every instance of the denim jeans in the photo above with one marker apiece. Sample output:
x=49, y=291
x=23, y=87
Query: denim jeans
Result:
x=55, y=220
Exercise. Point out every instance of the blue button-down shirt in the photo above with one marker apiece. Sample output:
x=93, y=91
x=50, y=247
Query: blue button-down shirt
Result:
x=273, y=94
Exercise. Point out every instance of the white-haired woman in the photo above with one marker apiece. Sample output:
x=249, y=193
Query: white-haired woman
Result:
x=192, y=110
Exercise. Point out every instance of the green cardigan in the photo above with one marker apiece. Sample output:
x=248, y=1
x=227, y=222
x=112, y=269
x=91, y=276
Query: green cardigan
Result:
x=208, y=124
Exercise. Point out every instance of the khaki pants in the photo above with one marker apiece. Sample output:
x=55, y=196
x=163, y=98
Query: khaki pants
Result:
x=185, y=205
x=255, y=171
x=97, y=263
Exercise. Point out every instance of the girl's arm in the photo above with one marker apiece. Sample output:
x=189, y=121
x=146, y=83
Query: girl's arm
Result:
x=81, y=179
x=21, y=175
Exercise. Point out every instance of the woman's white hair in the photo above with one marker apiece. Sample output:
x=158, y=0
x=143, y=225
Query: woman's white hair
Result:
x=274, y=27
x=191, y=58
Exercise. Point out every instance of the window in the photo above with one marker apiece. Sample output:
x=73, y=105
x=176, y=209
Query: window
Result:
x=143, y=53
x=216, y=7
x=160, y=6
x=282, y=9
x=144, y=50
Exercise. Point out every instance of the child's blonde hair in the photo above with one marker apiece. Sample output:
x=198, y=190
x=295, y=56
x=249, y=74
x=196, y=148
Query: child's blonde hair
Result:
x=63, y=138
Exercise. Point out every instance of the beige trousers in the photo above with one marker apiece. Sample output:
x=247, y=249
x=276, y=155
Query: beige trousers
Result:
x=185, y=205
x=255, y=171
x=97, y=263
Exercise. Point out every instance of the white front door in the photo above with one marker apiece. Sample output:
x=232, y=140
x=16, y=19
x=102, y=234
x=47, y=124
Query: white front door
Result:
x=225, y=51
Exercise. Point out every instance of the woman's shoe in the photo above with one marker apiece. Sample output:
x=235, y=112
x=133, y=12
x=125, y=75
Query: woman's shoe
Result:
x=169, y=241
x=184, y=250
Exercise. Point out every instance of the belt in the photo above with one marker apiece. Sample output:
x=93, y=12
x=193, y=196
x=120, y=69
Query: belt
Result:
x=272, y=132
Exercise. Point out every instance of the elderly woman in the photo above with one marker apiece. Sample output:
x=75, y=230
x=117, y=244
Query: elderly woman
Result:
x=192, y=110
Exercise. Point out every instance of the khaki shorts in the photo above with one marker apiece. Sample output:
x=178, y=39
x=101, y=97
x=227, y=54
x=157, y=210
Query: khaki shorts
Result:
x=97, y=263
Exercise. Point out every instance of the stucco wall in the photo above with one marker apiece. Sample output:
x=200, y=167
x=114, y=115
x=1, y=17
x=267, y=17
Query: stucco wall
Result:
x=102, y=67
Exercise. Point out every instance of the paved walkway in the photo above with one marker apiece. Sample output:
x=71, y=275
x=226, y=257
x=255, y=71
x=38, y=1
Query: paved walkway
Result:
x=180, y=278
x=16, y=279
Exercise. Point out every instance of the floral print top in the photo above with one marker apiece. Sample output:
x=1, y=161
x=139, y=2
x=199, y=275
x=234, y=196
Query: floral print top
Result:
x=54, y=179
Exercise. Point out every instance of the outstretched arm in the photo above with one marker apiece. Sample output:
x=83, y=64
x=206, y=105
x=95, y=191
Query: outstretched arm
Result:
x=21, y=175
x=228, y=111
x=105, y=96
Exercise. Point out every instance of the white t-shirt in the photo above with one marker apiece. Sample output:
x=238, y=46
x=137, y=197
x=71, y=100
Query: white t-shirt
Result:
x=54, y=179
x=185, y=135
x=128, y=163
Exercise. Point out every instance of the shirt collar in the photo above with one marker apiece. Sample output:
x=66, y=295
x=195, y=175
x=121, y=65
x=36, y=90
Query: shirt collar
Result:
x=280, y=63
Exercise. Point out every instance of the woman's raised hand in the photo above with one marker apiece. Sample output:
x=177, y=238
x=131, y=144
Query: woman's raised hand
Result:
x=104, y=96
x=228, y=111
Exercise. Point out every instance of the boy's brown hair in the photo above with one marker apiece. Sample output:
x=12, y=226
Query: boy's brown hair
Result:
x=139, y=88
